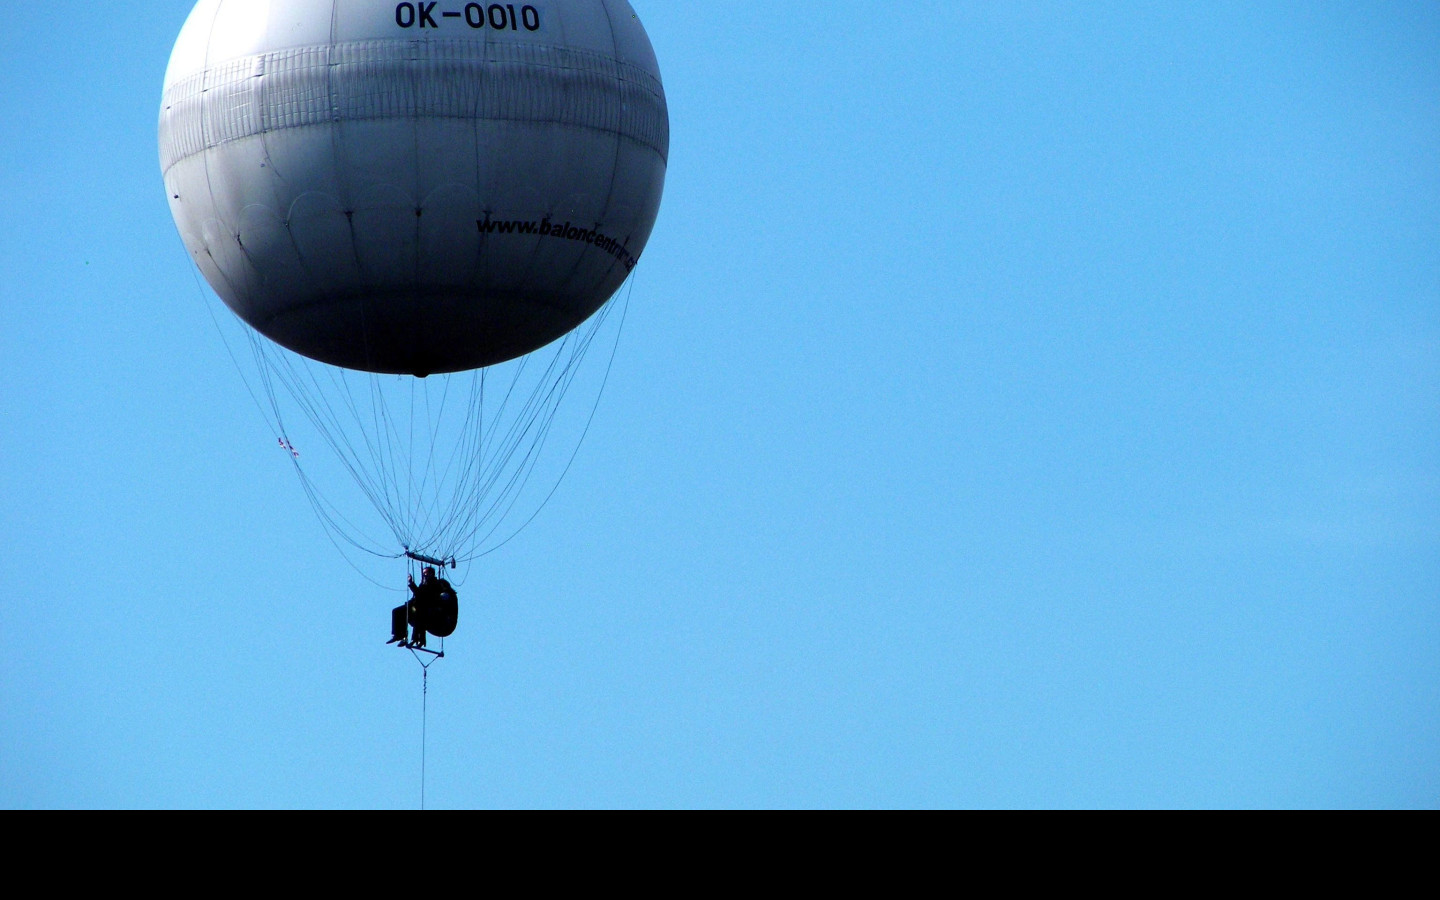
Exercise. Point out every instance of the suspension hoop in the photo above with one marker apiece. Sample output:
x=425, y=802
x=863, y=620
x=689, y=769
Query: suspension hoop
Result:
x=442, y=563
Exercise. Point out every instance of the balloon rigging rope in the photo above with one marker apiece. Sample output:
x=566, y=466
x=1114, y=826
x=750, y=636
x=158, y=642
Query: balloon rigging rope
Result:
x=535, y=420
x=490, y=464
x=272, y=363
x=276, y=427
x=609, y=365
x=558, y=389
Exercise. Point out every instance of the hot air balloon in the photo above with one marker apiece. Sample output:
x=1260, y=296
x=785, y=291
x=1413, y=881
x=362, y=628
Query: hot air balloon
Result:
x=391, y=191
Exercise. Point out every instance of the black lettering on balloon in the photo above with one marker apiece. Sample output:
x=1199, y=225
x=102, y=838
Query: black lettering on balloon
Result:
x=567, y=232
x=497, y=24
x=474, y=15
x=513, y=23
x=531, y=17
x=405, y=15
x=426, y=19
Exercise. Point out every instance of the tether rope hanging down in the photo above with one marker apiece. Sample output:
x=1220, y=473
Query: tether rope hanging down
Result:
x=424, y=722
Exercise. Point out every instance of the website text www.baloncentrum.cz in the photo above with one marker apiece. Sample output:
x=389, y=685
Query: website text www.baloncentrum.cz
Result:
x=567, y=232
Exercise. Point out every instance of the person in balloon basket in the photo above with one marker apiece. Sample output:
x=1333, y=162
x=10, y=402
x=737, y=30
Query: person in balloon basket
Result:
x=433, y=607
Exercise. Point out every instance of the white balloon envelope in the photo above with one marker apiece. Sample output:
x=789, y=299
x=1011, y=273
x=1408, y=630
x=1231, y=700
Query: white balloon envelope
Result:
x=417, y=188
x=414, y=187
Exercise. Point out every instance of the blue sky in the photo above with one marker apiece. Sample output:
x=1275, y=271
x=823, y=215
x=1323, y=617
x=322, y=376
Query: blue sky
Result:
x=1019, y=404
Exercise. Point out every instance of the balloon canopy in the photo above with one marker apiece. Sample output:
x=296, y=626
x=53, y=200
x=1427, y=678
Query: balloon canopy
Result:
x=418, y=188
x=414, y=188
